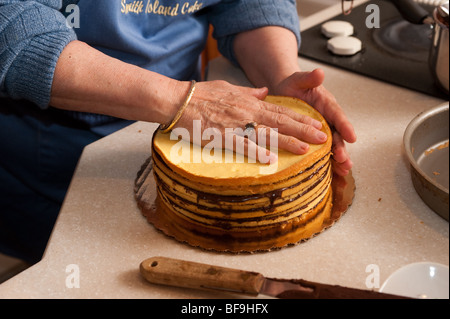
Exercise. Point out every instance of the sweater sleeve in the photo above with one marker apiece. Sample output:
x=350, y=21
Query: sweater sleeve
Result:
x=32, y=37
x=230, y=17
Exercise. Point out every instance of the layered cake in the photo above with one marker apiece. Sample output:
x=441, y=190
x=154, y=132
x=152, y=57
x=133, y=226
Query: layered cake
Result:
x=236, y=205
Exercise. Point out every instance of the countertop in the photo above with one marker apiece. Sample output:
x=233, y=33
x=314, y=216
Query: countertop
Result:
x=100, y=237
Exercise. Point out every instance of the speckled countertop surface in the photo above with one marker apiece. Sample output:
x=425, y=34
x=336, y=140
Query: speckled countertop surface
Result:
x=101, y=236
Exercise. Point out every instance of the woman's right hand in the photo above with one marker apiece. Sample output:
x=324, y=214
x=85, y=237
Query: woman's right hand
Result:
x=229, y=108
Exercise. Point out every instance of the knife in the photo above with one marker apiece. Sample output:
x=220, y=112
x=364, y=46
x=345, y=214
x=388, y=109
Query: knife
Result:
x=187, y=274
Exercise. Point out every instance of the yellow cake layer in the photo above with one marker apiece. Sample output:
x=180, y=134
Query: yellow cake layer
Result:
x=237, y=176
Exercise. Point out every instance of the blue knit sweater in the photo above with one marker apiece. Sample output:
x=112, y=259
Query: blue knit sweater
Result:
x=34, y=33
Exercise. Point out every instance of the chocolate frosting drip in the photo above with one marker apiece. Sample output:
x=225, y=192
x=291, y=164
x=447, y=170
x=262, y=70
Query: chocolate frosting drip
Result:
x=217, y=200
x=243, y=220
x=228, y=238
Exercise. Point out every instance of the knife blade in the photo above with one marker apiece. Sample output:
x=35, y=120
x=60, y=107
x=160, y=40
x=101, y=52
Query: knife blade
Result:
x=188, y=274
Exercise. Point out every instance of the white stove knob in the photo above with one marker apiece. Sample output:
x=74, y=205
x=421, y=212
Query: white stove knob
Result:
x=344, y=45
x=336, y=28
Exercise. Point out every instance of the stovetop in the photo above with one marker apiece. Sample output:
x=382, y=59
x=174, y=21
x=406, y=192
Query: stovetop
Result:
x=396, y=53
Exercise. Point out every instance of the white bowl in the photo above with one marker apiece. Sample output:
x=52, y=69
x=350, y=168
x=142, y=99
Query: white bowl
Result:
x=419, y=280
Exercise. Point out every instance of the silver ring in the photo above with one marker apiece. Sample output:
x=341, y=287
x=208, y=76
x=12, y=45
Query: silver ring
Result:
x=250, y=128
x=251, y=125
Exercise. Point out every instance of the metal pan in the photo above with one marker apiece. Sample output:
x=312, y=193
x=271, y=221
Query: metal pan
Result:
x=426, y=146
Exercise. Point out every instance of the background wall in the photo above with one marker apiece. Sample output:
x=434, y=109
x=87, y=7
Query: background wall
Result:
x=308, y=7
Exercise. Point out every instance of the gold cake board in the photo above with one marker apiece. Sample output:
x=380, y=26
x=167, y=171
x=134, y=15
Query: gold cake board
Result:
x=145, y=193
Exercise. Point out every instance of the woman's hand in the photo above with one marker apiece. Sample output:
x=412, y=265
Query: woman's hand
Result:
x=283, y=76
x=308, y=87
x=228, y=109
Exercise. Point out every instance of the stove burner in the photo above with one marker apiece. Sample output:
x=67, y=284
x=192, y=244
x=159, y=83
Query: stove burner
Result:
x=404, y=40
x=396, y=53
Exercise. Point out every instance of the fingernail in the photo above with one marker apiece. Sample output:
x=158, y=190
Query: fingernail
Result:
x=304, y=148
x=317, y=124
x=273, y=158
x=321, y=136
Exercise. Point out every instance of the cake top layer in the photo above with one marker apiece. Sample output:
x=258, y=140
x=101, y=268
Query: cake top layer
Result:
x=193, y=160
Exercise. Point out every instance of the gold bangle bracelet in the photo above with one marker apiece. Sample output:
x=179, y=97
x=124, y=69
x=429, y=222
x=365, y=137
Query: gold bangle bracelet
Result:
x=166, y=128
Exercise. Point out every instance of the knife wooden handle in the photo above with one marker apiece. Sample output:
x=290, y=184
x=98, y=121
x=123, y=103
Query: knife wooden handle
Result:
x=187, y=274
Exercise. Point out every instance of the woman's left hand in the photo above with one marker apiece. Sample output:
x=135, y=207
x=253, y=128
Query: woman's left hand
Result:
x=308, y=87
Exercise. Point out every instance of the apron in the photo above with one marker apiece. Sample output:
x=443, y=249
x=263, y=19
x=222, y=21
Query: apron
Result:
x=164, y=36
